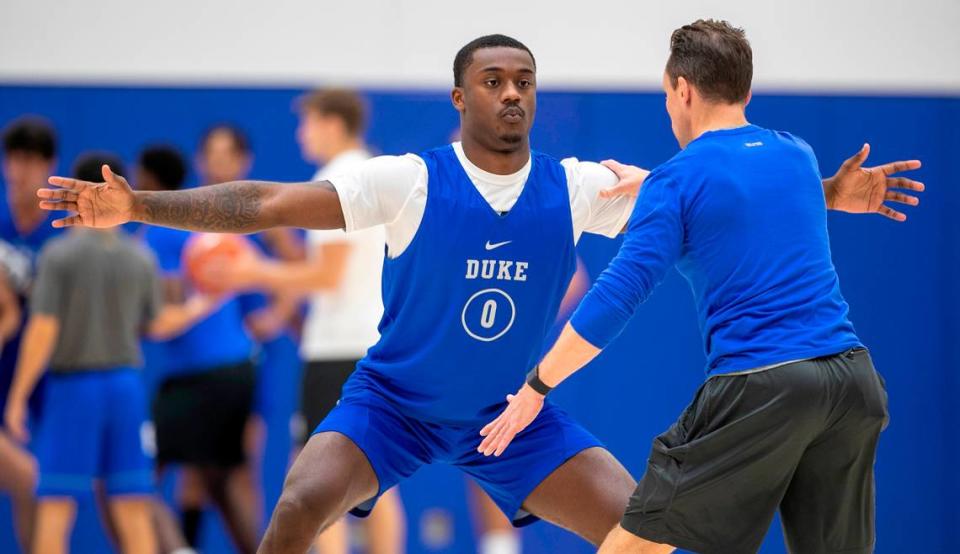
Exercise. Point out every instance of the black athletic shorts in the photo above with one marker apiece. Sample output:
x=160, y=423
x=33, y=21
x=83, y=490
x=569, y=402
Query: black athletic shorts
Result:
x=200, y=417
x=800, y=438
x=320, y=391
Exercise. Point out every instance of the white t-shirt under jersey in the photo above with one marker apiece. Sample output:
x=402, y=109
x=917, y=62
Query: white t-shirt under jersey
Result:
x=342, y=323
x=392, y=191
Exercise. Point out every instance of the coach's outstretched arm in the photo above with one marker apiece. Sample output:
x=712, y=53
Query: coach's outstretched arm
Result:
x=853, y=188
x=237, y=207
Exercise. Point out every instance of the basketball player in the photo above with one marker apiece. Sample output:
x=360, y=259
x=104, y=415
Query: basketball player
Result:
x=95, y=405
x=29, y=158
x=792, y=409
x=480, y=247
x=206, y=439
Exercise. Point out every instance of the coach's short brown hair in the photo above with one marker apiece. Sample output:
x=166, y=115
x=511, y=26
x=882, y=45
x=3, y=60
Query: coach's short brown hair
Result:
x=713, y=56
x=343, y=103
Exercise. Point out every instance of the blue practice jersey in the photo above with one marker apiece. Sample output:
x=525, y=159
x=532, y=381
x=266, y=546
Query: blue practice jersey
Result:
x=216, y=341
x=468, y=303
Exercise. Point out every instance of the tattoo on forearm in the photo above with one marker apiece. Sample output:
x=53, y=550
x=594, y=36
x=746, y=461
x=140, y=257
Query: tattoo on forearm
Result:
x=229, y=207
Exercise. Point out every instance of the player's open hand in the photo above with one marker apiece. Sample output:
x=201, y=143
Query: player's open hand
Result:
x=863, y=190
x=521, y=410
x=631, y=177
x=15, y=420
x=100, y=205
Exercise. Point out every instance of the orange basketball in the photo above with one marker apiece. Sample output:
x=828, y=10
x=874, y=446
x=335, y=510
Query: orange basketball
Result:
x=203, y=249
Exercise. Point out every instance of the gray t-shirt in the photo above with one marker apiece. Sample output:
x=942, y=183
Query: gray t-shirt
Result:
x=103, y=287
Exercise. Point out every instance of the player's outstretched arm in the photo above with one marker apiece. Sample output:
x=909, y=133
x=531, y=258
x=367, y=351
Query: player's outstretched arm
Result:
x=864, y=190
x=854, y=188
x=237, y=207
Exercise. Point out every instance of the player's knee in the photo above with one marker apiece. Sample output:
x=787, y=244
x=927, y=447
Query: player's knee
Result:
x=304, y=495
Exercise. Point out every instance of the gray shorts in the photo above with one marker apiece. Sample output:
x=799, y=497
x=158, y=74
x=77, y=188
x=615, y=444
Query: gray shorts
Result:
x=800, y=437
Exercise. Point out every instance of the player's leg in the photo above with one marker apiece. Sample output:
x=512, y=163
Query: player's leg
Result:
x=179, y=429
x=224, y=486
x=386, y=525
x=68, y=446
x=335, y=539
x=228, y=478
x=829, y=506
x=247, y=480
x=169, y=535
x=361, y=449
x=127, y=475
x=191, y=498
x=555, y=470
x=329, y=477
x=55, y=517
x=586, y=495
x=320, y=389
x=132, y=516
x=208, y=436
x=18, y=478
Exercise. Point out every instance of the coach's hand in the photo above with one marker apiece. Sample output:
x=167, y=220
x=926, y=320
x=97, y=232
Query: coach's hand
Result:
x=631, y=177
x=863, y=190
x=15, y=420
x=101, y=205
x=521, y=410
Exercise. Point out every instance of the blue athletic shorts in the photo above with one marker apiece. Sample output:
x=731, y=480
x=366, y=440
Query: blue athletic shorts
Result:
x=93, y=427
x=397, y=445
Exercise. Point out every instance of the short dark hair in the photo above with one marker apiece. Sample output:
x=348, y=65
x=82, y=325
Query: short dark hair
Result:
x=715, y=57
x=165, y=164
x=87, y=166
x=30, y=134
x=241, y=143
x=465, y=56
x=343, y=103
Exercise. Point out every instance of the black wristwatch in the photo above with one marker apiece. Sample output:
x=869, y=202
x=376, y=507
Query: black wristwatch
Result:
x=533, y=379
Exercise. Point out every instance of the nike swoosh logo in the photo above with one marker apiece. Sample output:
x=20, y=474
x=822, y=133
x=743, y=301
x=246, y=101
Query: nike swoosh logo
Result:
x=497, y=245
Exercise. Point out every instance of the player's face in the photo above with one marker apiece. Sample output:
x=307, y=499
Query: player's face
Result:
x=498, y=99
x=317, y=134
x=220, y=161
x=25, y=172
x=678, y=109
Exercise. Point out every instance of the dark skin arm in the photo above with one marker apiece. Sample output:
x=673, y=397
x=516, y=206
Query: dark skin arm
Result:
x=237, y=207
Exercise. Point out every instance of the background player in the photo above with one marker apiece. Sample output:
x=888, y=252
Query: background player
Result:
x=92, y=347
x=29, y=158
x=206, y=438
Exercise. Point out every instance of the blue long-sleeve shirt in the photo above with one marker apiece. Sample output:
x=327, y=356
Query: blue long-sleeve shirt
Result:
x=741, y=214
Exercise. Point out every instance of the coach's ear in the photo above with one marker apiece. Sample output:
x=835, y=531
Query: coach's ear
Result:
x=456, y=96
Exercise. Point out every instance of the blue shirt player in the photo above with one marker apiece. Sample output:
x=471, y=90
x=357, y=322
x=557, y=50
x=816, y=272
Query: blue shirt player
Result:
x=479, y=253
x=792, y=408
